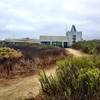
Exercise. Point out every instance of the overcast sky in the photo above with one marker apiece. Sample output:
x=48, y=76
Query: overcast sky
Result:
x=31, y=18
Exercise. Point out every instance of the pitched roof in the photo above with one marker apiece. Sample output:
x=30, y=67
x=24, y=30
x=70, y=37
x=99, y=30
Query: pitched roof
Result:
x=73, y=29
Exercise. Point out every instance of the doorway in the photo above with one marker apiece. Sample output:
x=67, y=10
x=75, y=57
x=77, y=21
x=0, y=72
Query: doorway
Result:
x=65, y=44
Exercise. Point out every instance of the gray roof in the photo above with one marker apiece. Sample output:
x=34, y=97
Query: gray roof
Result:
x=73, y=29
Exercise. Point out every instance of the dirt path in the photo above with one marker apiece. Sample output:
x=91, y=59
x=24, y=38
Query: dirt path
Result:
x=21, y=88
x=76, y=53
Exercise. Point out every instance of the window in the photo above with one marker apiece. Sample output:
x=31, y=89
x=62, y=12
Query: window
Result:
x=45, y=42
x=74, y=42
x=65, y=44
x=57, y=43
x=74, y=36
x=74, y=39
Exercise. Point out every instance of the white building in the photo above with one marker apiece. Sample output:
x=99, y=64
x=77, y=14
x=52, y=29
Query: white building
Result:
x=71, y=37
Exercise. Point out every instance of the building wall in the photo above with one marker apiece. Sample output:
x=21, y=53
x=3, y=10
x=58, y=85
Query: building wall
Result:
x=68, y=38
x=71, y=37
x=53, y=39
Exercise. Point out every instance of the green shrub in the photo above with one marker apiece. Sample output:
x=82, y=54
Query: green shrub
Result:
x=83, y=62
x=89, y=83
x=91, y=47
x=76, y=79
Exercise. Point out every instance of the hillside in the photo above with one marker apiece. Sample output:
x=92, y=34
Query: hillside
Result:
x=26, y=58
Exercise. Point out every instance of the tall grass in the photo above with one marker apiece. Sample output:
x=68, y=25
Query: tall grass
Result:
x=76, y=79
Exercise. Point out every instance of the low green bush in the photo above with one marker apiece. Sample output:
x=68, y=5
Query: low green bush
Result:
x=76, y=79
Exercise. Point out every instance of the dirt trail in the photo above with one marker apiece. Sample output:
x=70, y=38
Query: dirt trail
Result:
x=21, y=88
x=76, y=53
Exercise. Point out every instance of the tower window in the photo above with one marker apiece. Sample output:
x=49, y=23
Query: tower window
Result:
x=74, y=42
x=74, y=39
x=74, y=36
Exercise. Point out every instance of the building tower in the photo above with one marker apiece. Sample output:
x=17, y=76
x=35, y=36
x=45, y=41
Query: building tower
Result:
x=73, y=36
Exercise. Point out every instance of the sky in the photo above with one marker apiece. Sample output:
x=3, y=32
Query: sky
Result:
x=32, y=18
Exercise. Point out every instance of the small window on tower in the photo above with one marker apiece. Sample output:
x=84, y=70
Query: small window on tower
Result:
x=74, y=42
x=74, y=36
x=74, y=39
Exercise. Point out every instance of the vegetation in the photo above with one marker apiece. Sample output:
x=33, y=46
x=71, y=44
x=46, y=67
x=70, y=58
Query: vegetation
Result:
x=10, y=53
x=40, y=55
x=23, y=58
x=32, y=50
x=91, y=47
x=76, y=79
x=29, y=44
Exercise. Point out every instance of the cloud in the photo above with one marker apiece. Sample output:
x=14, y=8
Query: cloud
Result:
x=36, y=17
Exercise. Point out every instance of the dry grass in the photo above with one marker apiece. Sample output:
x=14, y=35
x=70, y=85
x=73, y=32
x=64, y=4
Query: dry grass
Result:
x=10, y=53
x=27, y=60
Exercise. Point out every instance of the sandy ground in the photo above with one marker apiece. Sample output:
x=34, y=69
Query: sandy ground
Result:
x=21, y=88
x=76, y=53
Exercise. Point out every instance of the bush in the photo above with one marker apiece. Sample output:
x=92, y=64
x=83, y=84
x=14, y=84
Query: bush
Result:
x=76, y=79
x=10, y=53
x=25, y=58
x=91, y=47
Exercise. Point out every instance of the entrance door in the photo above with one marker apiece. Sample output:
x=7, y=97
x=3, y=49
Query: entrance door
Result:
x=65, y=45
